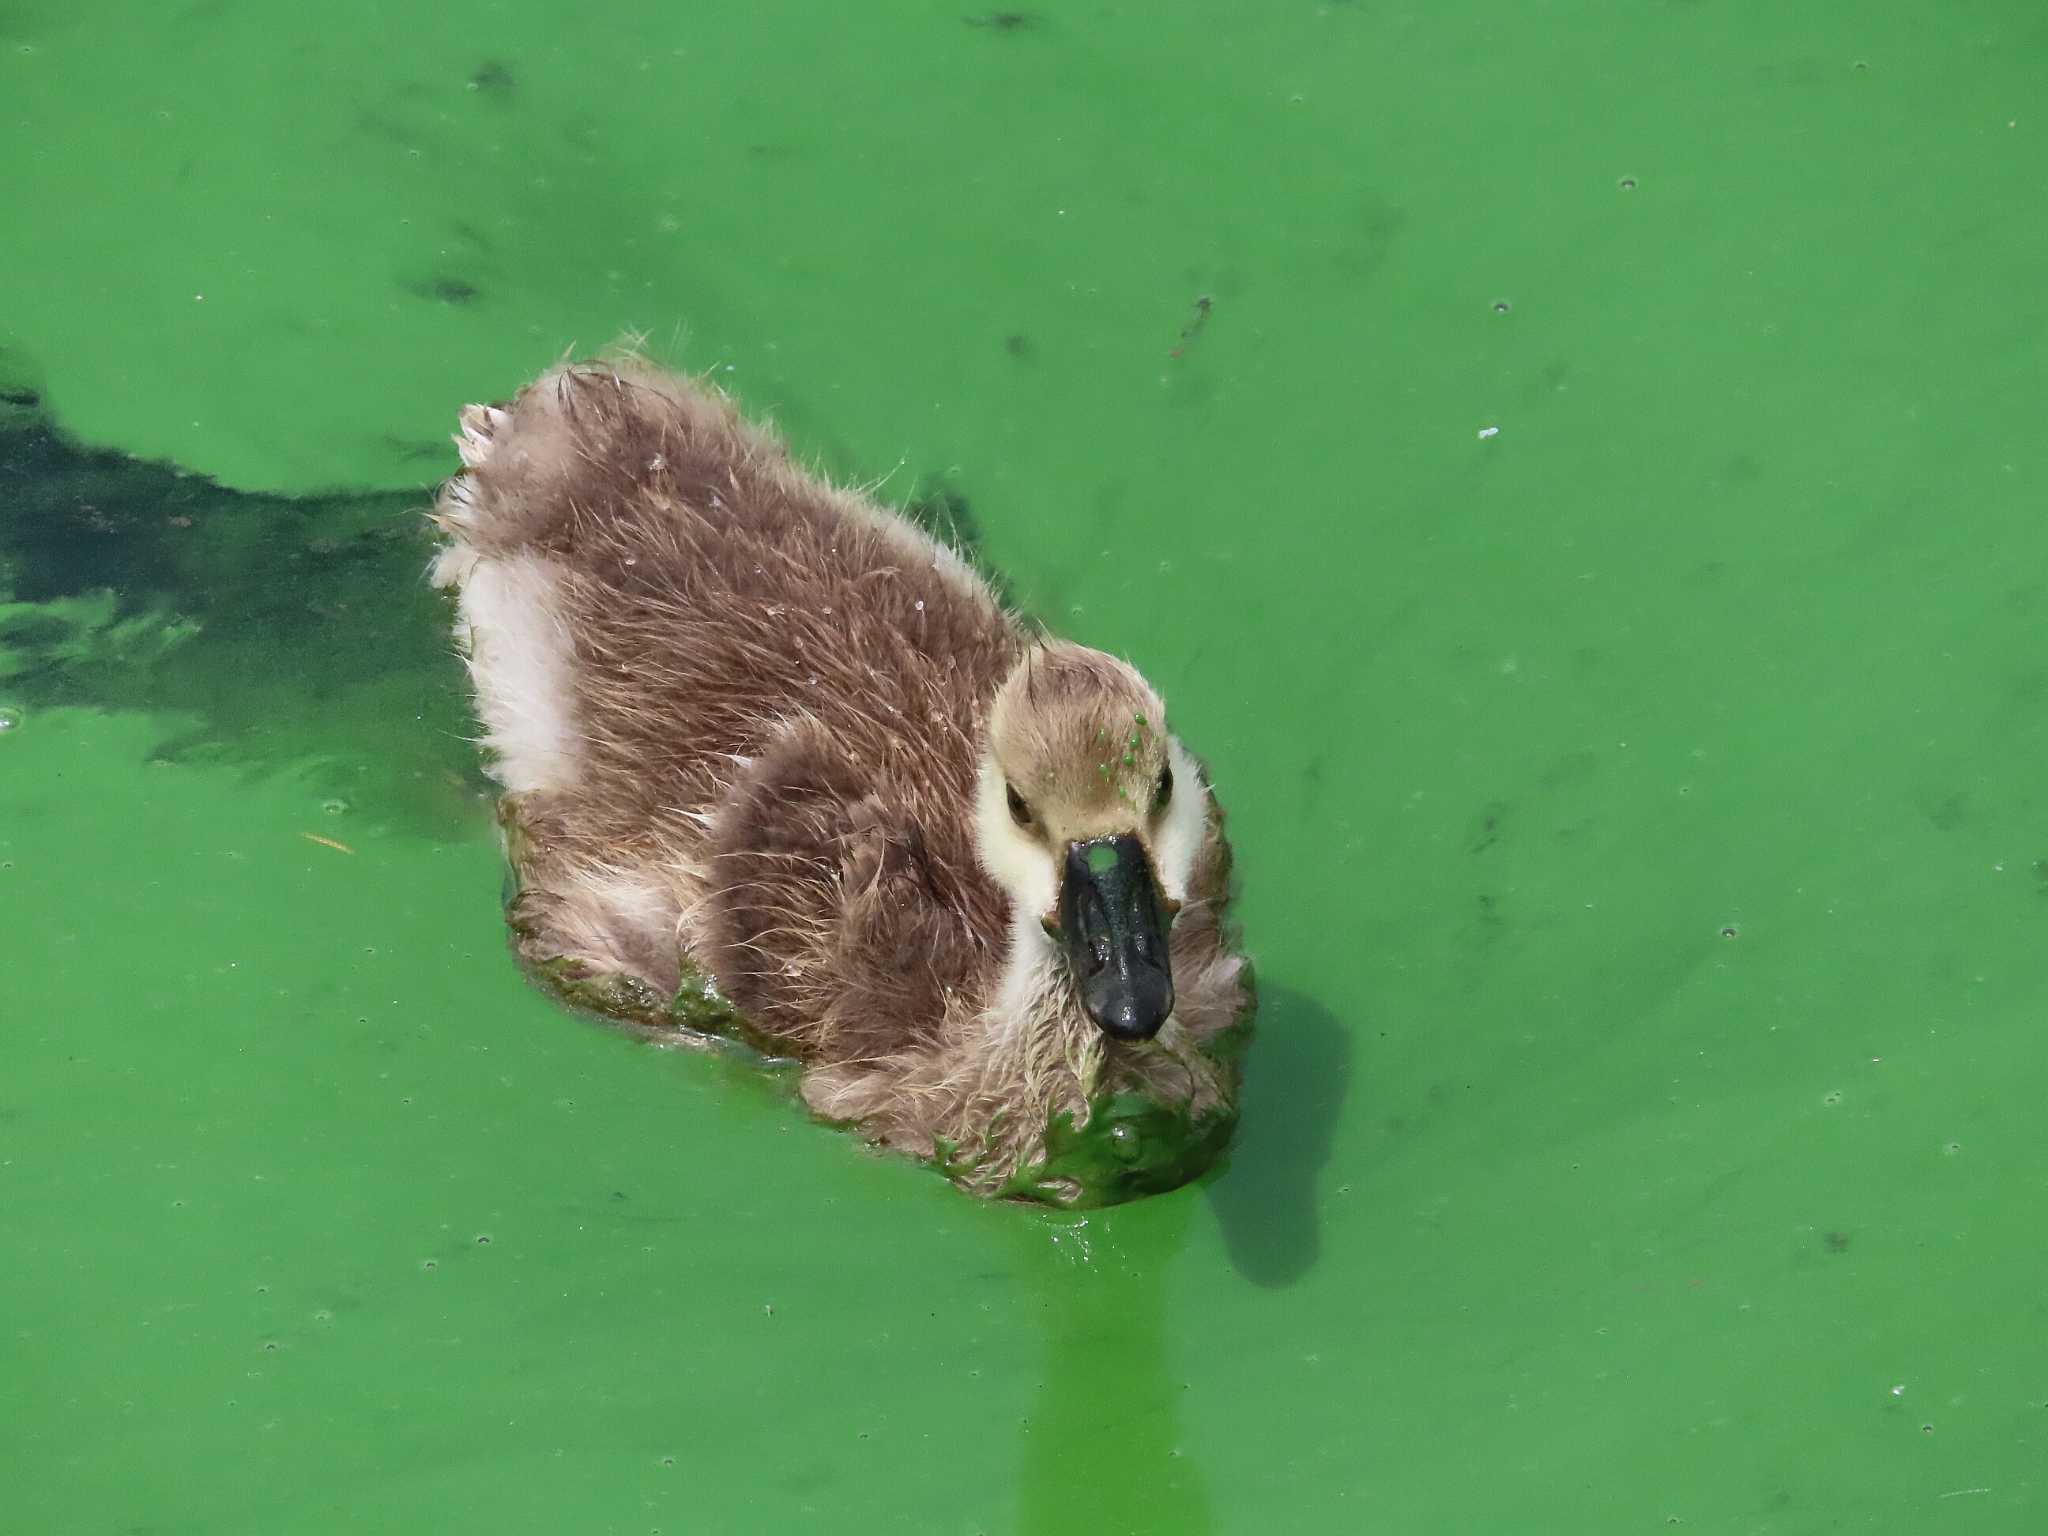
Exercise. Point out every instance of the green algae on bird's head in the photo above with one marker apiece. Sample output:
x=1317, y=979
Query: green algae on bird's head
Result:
x=1131, y=1146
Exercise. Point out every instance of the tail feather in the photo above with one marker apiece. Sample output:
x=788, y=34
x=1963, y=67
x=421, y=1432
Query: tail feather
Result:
x=508, y=625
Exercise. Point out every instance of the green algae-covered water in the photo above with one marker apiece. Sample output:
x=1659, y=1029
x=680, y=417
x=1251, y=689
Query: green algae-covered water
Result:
x=1574, y=469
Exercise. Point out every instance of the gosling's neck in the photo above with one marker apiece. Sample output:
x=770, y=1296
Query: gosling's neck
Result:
x=1036, y=1022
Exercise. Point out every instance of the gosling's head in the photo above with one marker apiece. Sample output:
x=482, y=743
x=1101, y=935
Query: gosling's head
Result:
x=1091, y=814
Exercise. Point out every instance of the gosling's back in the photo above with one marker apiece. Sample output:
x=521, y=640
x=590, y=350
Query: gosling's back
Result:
x=739, y=708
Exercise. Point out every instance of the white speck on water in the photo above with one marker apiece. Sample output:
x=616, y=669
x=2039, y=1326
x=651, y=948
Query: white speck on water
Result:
x=1488, y=432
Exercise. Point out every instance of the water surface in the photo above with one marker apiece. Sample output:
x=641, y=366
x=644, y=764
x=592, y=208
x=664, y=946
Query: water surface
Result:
x=1571, y=468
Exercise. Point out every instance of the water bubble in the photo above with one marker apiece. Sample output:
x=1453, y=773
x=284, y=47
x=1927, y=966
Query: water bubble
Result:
x=1125, y=1142
x=335, y=806
x=1730, y=931
x=483, y=1239
x=1628, y=183
x=1832, y=1097
x=1501, y=306
x=10, y=718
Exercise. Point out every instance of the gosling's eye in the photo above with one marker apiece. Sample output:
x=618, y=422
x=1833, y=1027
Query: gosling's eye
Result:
x=1020, y=813
x=1164, y=792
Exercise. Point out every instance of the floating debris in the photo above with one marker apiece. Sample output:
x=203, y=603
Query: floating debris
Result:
x=1200, y=318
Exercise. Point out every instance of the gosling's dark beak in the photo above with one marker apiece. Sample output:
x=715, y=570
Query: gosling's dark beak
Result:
x=1113, y=923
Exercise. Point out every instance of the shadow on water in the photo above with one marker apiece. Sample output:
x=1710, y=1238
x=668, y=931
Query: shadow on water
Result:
x=1296, y=1077
x=1102, y=1448
x=287, y=631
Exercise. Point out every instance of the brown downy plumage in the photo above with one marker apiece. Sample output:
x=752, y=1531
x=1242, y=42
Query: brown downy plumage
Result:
x=765, y=743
